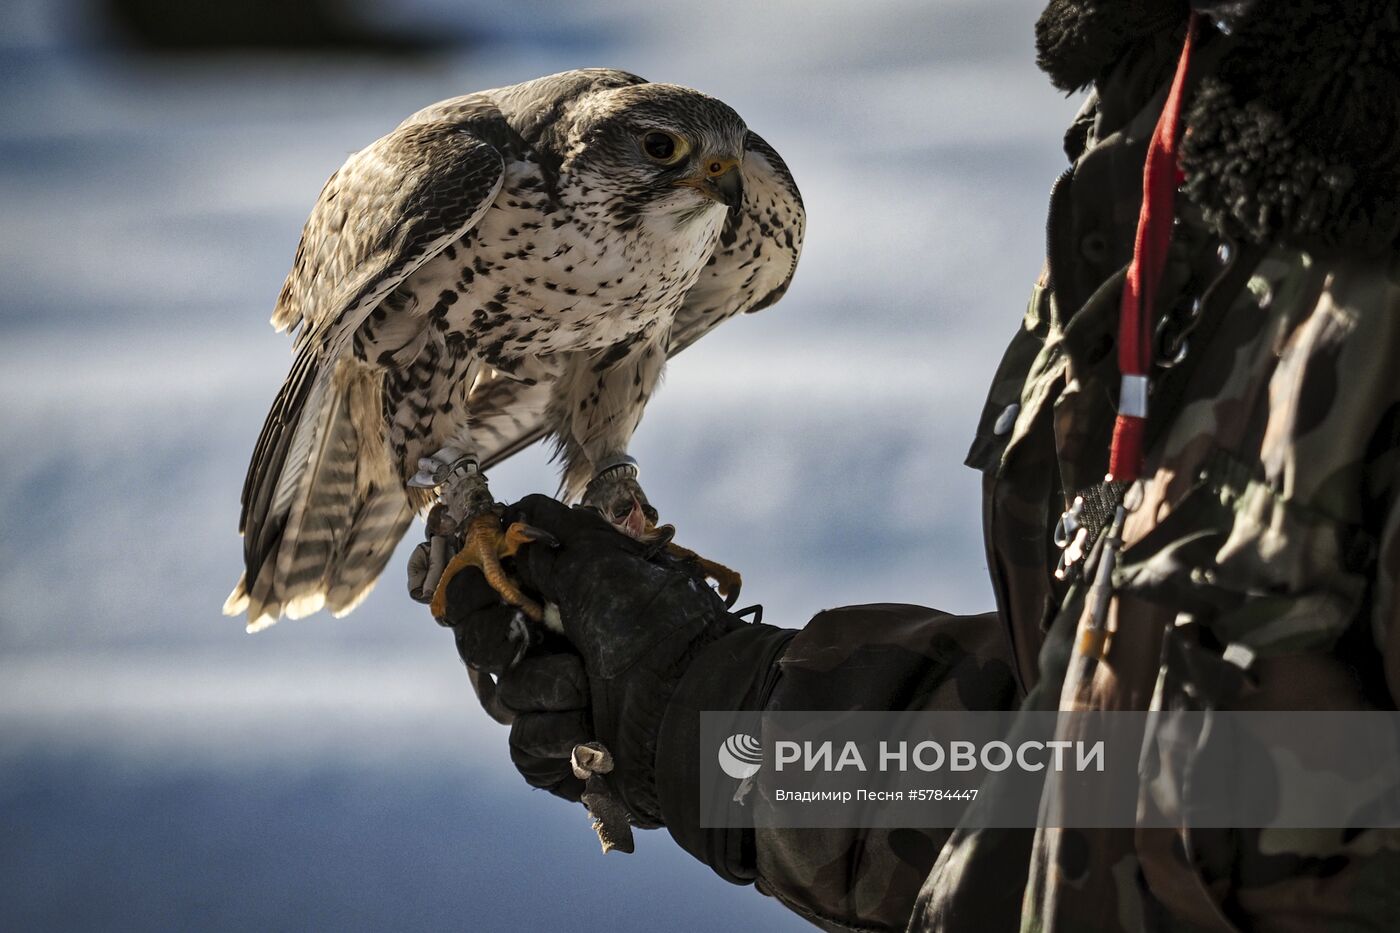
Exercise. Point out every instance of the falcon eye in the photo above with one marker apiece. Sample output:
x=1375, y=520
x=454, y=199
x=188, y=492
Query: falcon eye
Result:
x=664, y=147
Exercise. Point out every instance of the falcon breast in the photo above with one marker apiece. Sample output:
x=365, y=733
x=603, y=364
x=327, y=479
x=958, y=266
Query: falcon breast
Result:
x=505, y=266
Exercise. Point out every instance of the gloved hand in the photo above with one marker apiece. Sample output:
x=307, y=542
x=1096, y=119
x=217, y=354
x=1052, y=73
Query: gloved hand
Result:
x=632, y=619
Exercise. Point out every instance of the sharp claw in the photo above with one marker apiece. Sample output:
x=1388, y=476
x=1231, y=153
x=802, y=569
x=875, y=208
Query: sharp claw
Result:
x=483, y=548
x=727, y=581
x=633, y=523
x=529, y=534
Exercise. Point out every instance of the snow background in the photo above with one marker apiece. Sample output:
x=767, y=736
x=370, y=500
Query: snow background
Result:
x=161, y=770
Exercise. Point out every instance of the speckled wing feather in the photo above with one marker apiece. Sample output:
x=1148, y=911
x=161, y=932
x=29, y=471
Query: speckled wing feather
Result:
x=750, y=270
x=318, y=502
x=392, y=206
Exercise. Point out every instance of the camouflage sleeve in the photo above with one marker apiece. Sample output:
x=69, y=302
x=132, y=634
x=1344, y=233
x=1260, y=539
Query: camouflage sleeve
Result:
x=1292, y=880
x=877, y=657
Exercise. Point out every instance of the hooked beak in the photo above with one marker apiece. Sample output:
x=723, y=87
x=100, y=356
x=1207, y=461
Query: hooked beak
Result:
x=720, y=180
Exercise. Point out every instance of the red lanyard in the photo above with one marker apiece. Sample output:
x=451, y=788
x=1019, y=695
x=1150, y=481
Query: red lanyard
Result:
x=1161, y=176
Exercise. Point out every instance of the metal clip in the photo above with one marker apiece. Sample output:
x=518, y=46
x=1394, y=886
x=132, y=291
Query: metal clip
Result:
x=1068, y=523
x=1172, y=344
x=1070, y=537
x=1072, y=554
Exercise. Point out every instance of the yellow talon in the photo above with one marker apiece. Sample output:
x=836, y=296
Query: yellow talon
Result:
x=483, y=548
x=726, y=580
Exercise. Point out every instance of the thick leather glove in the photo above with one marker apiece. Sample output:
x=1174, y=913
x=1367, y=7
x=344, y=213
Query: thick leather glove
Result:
x=633, y=619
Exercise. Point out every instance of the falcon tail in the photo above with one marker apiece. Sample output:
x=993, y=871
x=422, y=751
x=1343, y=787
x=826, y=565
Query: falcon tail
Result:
x=322, y=508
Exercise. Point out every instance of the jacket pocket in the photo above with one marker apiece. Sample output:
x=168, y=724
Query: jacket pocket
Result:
x=1255, y=568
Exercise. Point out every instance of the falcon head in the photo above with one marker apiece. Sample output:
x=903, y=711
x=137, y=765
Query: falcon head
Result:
x=659, y=149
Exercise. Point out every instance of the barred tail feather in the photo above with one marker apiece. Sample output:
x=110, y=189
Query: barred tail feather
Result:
x=380, y=522
x=322, y=508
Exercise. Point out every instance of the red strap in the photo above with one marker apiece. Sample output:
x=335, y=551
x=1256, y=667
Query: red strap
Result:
x=1160, y=178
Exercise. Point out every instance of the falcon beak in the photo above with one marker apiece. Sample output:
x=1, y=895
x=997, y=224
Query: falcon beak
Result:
x=720, y=180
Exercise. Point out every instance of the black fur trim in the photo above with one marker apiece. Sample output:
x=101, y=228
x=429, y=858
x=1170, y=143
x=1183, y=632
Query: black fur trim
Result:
x=1076, y=41
x=1294, y=137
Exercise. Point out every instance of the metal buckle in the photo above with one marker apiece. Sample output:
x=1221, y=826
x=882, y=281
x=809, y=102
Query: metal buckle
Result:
x=1068, y=523
x=1070, y=537
x=1172, y=335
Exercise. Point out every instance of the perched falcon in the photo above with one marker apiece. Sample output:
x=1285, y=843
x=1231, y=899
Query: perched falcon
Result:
x=502, y=267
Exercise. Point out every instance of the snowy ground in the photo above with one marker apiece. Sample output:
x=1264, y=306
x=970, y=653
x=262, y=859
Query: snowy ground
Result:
x=159, y=769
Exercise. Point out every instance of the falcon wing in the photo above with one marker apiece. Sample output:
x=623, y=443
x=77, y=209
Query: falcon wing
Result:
x=750, y=270
x=321, y=509
x=390, y=208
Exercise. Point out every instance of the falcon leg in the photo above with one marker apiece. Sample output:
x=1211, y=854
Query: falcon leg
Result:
x=466, y=508
x=615, y=492
x=483, y=547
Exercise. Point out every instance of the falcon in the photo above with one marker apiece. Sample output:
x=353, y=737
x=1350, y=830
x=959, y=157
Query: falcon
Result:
x=507, y=266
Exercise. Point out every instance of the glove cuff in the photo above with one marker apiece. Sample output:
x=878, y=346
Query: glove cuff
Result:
x=735, y=672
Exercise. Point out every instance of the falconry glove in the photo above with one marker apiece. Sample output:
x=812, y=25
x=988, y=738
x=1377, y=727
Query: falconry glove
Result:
x=632, y=619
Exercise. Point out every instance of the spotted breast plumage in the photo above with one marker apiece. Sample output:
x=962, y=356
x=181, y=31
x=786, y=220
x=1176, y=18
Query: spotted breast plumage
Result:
x=505, y=266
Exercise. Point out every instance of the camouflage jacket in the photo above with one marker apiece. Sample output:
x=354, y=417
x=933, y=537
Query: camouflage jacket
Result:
x=1268, y=520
